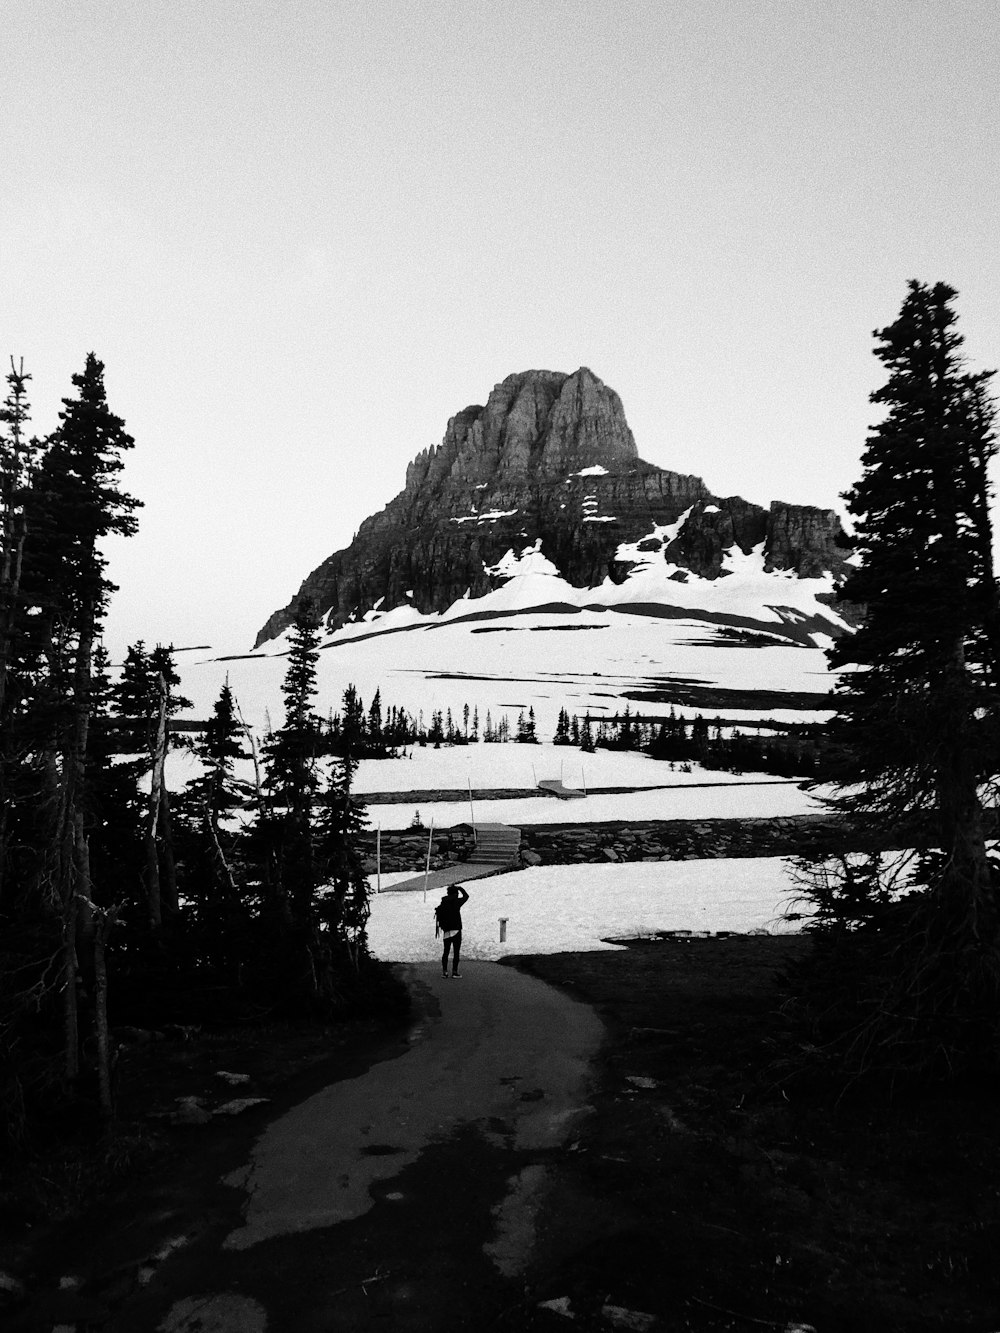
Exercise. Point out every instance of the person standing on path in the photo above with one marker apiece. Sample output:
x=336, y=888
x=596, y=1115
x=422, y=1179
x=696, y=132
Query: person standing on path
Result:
x=448, y=915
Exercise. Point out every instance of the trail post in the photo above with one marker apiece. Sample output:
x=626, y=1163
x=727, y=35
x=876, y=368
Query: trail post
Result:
x=427, y=864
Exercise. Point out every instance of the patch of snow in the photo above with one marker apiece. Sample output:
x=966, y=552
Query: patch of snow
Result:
x=551, y=909
x=664, y=533
x=529, y=563
x=595, y=470
x=711, y=509
x=489, y=515
x=593, y=518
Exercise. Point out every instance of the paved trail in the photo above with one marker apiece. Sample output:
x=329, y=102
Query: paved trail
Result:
x=405, y=1198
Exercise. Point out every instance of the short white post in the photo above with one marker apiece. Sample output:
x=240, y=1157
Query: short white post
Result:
x=378, y=860
x=503, y=929
x=472, y=808
x=560, y=772
x=583, y=778
x=534, y=775
x=427, y=865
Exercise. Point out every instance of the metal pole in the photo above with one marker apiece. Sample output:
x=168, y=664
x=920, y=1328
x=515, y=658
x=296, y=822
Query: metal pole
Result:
x=583, y=775
x=472, y=808
x=427, y=866
x=534, y=775
x=378, y=860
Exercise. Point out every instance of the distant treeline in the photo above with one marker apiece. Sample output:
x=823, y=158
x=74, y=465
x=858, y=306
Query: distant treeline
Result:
x=792, y=752
x=378, y=733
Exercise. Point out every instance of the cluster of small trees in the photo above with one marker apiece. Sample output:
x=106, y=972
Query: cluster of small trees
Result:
x=377, y=733
x=679, y=740
x=121, y=902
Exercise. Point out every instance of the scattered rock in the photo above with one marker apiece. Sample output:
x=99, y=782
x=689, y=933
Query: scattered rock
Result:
x=11, y=1286
x=631, y=1319
x=238, y=1105
x=232, y=1078
x=641, y=1081
x=190, y=1112
x=558, y=1305
x=531, y=858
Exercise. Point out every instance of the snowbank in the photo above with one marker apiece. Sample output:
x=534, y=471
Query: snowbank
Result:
x=551, y=909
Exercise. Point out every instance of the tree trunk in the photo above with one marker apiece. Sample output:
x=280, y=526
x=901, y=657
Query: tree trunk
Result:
x=71, y=1022
x=169, y=901
x=219, y=861
x=153, y=900
x=101, y=1034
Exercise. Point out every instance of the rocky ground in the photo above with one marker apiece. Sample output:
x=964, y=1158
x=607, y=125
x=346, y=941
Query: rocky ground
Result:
x=653, y=840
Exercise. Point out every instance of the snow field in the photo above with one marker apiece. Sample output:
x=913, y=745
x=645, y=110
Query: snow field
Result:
x=513, y=765
x=585, y=661
x=752, y=801
x=552, y=909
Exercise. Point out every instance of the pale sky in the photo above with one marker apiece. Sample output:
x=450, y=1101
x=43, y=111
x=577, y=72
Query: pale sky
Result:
x=302, y=234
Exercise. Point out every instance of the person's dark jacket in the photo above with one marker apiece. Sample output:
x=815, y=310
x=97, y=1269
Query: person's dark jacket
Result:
x=449, y=911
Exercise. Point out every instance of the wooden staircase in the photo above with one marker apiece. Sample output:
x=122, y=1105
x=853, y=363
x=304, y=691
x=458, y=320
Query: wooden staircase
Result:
x=496, y=844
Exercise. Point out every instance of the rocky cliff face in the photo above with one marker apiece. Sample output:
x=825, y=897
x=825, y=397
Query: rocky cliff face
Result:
x=549, y=457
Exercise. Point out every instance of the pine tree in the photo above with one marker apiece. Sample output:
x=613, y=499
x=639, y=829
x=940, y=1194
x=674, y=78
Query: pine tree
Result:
x=16, y=458
x=343, y=900
x=293, y=777
x=72, y=503
x=352, y=728
x=916, y=731
x=376, y=737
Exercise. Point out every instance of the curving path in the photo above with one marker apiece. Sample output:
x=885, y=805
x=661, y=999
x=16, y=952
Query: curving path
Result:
x=406, y=1198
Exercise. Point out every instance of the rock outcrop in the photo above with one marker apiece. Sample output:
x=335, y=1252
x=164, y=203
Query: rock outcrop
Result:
x=549, y=457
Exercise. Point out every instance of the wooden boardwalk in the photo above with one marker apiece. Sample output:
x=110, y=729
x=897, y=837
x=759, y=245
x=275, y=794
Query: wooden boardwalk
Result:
x=555, y=786
x=498, y=848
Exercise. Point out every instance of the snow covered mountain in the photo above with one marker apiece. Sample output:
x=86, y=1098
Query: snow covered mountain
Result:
x=533, y=560
x=542, y=493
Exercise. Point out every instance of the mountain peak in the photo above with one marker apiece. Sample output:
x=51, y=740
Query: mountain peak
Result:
x=549, y=461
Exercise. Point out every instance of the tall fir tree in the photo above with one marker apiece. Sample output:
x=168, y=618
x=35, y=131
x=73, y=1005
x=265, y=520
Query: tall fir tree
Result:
x=74, y=501
x=916, y=731
x=292, y=757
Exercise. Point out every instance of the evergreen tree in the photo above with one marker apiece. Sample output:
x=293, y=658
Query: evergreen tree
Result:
x=74, y=503
x=343, y=899
x=916, y=731
x=16, y=457
x=376, y=738
x=293, y=778
x=352, y=728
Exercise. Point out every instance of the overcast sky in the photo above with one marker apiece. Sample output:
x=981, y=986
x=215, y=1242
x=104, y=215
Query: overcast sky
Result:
x=302, y=234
